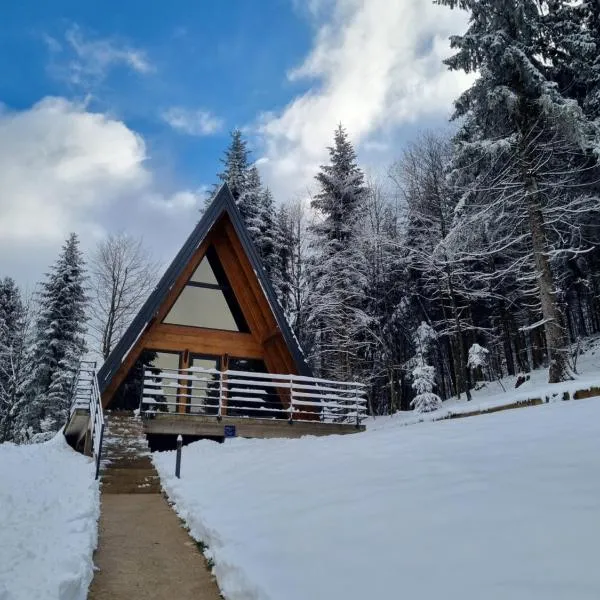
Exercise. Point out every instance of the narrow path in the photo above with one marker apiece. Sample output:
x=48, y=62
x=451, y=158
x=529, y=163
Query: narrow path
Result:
x=143, y=550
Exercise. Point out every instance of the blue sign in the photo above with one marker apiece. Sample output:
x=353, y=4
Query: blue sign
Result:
x=229, y=431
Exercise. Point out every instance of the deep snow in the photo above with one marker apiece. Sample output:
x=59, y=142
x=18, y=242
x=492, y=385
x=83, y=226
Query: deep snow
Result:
x=49, y=508
x=490, y=507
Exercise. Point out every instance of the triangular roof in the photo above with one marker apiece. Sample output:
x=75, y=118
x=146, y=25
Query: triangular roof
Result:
x=223, y=203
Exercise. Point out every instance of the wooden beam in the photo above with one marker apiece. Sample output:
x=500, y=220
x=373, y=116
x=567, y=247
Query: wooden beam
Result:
x=200, y=425
x=202, y=341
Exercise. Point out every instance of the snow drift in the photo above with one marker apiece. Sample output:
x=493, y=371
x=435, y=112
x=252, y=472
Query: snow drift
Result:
x=49, y=508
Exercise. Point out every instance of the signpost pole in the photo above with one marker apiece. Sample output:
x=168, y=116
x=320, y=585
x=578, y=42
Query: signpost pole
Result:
x=178, y=458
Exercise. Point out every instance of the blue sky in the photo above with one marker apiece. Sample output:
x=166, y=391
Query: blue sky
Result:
x=114, y=115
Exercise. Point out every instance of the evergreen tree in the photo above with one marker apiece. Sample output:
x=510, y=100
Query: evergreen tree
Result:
x=283, y=246
x=423, y=375
x=519, y=137
x=337, y=273
x=59, y=339
x=13, y=339
x=256, y=205
x=236, y=164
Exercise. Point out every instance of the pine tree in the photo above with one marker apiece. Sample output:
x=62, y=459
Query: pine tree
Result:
x=423, y=375
x=13, y=368
x=283, y=244
x=423, y=384
x=59, y=339
x=337, y=272
x=249, y=202
x=256, y=205
x=517, y=142
x=236, y=166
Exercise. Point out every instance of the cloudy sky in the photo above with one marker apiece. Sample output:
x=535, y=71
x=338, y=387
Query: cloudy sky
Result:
x=114, y=115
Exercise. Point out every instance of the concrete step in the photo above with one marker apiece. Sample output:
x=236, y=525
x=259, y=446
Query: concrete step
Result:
x=120, y=462
x=127, y=467
x=130, y=488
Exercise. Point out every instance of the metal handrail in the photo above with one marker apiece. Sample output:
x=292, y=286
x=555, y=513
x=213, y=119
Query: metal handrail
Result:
x=230, y=393
x=86, y=396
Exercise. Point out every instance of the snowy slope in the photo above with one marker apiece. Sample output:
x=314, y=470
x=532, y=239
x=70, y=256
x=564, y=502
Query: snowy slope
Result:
x=494, y=394
x=49, y=508
x=490, y=507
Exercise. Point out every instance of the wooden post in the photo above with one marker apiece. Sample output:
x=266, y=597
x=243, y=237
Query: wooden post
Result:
x=223, y=385
x=182, y=385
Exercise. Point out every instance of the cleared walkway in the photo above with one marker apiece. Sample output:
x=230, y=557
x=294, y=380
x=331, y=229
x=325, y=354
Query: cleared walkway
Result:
x=143, y=550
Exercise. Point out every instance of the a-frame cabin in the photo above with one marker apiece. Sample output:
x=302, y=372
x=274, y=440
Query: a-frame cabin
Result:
x=211, y=347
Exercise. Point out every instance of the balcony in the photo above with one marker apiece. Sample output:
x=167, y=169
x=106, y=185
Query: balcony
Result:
x=212, y=403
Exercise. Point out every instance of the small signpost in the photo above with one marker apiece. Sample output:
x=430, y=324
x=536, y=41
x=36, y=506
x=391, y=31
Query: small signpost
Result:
x=178, y=457
x=229, y=431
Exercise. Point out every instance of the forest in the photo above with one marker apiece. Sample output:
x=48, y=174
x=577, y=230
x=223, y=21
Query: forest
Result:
x=475, y=256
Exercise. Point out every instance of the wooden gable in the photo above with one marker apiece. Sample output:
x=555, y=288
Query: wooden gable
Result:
x=267, y=337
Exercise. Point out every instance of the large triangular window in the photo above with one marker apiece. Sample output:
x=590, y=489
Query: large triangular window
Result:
x=207, y=300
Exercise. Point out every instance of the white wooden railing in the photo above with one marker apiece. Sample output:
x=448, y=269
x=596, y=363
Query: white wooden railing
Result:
x=86, y=396
x=222, y=394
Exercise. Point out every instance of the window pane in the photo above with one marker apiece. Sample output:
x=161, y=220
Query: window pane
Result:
x=251, y=365
x=204, y=388
x=204, y=273
x=166, y=388
x=202, y=307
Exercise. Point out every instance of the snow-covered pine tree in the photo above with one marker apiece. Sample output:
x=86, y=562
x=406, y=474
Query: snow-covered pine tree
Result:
x=255, y=203
x=13, y=368
x=478, y=359
x=337, y=291
x=434, y=271
x=423, y=375
x=514, y=152
x=267, y=238
x=236, y=165
x=423, y=383
x=283, y=243
x=386, y=298
x=59, y=339
x=249, y=203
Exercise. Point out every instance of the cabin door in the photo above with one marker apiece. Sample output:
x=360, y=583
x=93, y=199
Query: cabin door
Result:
x=204, y=387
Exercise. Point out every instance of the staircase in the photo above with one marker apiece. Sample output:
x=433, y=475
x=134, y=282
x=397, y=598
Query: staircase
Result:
x=126, y=467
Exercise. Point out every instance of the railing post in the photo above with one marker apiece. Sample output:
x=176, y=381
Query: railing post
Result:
x=356, y=406
x=142, y=390
x=178, y=457
x=99, y=455
x=291, y=419
x=220, y=410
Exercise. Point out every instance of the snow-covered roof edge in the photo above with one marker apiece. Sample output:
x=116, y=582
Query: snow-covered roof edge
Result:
x=222, y=202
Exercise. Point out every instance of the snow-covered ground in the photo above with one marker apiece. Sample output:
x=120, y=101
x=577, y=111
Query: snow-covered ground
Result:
x=490, y=395
x=49, y=508
x=496, y=506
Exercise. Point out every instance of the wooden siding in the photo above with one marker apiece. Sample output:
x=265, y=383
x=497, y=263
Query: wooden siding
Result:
x=264, y=341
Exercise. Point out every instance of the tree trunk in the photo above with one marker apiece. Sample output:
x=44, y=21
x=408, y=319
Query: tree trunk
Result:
x=553, y=320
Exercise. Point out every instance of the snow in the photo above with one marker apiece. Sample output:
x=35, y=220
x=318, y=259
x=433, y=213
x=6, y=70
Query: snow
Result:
x=49, y=508
x=496, y=506
x=491, y=395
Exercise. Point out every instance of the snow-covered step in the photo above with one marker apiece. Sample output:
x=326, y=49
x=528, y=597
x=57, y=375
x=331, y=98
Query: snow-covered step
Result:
x=126, y=464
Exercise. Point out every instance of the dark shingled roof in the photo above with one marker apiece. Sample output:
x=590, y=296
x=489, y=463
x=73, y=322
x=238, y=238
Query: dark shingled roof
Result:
x=222, y=203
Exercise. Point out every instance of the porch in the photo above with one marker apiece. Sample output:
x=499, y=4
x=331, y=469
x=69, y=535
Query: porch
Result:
x=211, y=403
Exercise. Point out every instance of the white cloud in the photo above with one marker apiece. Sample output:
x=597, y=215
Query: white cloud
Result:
x=375, y=66
x=84, y=61
x=192, y=122
x=65, y=169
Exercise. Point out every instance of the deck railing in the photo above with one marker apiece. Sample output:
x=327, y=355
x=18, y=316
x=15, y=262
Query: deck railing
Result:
x=222, y=394
x=86, y=396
